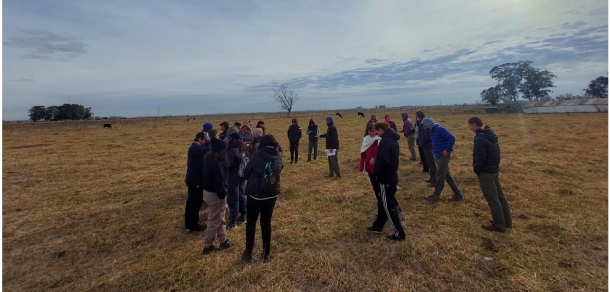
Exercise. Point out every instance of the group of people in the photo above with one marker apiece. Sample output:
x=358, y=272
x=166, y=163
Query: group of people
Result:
x=240, y=169
x=379, y=158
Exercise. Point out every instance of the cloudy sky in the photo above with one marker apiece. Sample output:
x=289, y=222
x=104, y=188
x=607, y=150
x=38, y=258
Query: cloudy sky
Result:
x=128, y=58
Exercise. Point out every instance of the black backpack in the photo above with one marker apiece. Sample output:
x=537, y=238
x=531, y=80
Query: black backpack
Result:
x=268, y=182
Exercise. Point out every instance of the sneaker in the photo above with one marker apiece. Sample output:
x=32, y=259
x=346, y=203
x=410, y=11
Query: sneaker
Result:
x=491, y=227
x=455, y=198
x=395, y=237
x=207, y=250
x=247, y=256
x=431, y=199
x=375, y=229
x=231, y=226
x=197, y=228
x=266, y=258
x=241, y=219
x=226, y=244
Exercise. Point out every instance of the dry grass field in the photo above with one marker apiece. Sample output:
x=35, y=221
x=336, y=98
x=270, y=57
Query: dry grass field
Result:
x=91, y=209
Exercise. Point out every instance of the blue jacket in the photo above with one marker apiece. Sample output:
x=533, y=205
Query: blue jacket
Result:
x=441, y=140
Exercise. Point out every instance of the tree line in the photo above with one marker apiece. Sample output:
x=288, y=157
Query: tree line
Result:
x=62, y=112
x=522, y=80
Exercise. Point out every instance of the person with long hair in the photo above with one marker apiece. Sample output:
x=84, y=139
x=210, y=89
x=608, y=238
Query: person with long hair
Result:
x=268, y=155
x=257, y=135
x=236, y=198
x=215, y=173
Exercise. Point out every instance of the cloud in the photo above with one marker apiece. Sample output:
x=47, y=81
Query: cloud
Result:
x=45, y=45
x=20, y=79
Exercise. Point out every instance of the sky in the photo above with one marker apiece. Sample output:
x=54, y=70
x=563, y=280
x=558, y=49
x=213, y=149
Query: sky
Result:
x=141, y=58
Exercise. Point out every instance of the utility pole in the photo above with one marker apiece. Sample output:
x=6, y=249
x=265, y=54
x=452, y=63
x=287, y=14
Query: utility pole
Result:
x=157, y=111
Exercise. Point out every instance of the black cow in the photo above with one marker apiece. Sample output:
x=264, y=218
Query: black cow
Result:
x=109, y=126
x=338, y=114
x=360, y=114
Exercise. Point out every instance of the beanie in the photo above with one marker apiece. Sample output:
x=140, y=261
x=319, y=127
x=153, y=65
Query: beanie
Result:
x=428, y=122
x=207, y=126
x=329, y=119
x=235, y=137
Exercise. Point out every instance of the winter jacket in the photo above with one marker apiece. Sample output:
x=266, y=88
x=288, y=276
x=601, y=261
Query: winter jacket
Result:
x=441, y=140
x=313, y=131
x=254, y=169
x=332, y=137
x=424, y=138
x=486, y=151
x=234, y=157
x=246, y=135
x=215, y=178
x=194, y=164
x=392, y=125
x=407, y=126
x=294, y=134
x=386, y=162
x=230, y=131
x=366, y=156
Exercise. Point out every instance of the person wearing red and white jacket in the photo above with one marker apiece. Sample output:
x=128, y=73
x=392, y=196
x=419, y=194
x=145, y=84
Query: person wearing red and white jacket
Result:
x=368, y=152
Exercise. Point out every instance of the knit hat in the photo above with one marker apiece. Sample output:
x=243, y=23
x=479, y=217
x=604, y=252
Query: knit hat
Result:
x=224, y=124
x=329, y=120
x=203, y=135
x=218, y=145
x=235, y=137
x=428, y=122
x=420, y=113
x=207, y=126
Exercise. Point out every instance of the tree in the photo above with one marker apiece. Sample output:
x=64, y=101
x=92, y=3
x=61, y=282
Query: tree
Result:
x=38, y=113
x=536, y=83
x=286, y=98
x=491, y=95
x=521, y=77
x=598, y=88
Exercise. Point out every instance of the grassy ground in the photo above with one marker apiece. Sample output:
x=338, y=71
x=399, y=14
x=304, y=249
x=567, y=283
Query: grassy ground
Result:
x=87, y=208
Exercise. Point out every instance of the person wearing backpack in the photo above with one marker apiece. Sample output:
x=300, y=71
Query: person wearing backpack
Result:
x=236, y=196
x=215, y=173
x=263, y=175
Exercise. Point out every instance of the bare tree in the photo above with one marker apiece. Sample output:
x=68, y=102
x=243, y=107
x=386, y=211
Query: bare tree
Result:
x=286, y=98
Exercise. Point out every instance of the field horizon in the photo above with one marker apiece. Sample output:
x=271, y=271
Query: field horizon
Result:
x=93, y=209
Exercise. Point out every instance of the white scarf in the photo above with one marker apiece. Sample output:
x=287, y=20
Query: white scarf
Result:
x=368, y=142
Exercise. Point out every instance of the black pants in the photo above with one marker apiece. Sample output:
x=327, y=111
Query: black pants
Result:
x=387, y=209
x=374, y=183
x=294, y=152
x=422, y=157
x=265, y=208
x=193, y=205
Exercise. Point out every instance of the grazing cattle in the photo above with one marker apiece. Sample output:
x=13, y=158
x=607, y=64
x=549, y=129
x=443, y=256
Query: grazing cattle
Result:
x=361, y=114
x=338, y=114
x=108, y=126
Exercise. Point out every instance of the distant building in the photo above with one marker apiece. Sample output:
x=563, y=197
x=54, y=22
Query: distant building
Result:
x=593, y=105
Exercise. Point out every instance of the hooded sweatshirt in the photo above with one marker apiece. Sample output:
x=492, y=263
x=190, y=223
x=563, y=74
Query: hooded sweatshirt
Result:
x=486, y=151
x=313, y=131
x=255, y=167
x=294, y=133
x=246, y=134
x=407, y=126
x=367, y=152
x=230, y=131
x=386, y=162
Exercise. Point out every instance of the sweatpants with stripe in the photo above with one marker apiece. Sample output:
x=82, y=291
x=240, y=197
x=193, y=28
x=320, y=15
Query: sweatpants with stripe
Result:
x=387, y=209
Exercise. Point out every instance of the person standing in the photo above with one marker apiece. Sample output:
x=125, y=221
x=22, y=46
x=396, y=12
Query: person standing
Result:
x=313, y=132
x=236, y=197
x=294, y=136
x=369, y=125
x=193, y=180
x=207, y=127
x=215, y=173
x=388, y=120
x=231, y=130
x=246, y=133
x=442, y=145
x=424, y=140
x=224, y=126
x=332, y=147
x=368, y=152
x=486, y=165
x=261, y=125
x=422, y=155
x=386, y=172
x=257, y=135
x=267, y=156
x=409, y=131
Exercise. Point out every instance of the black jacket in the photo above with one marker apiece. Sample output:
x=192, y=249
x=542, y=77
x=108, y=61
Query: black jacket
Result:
x=386, y=162
x=215, y=178
x=234, y=157
x=256, y=165
x=393, y=126
x=332, y=137
x=486, y=151
x=194, y=164
x=294, y=134
x=424, y=139
x=313, y=131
